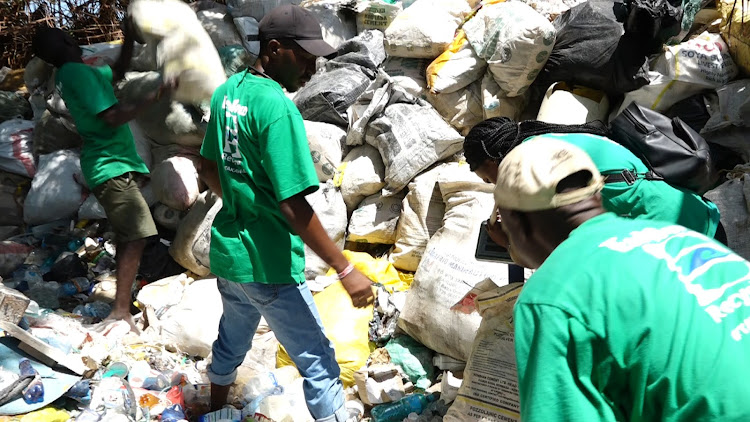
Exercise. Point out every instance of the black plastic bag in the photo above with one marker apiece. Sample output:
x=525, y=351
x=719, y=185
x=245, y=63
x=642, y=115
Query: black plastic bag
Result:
x=69, y=267
x=591, y=50
x=692, y=111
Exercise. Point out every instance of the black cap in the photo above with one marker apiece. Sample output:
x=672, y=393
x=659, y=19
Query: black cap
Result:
x=296, y=23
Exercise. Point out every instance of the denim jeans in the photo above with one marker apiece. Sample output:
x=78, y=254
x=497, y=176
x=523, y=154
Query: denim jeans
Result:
x=290, y=312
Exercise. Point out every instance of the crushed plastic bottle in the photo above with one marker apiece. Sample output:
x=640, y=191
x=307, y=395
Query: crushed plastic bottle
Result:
x=34, y=392
x=99, y=310
x=142, y=376
x=74, y=286
x=267, y=383
x=251, y=408
x=398, y=411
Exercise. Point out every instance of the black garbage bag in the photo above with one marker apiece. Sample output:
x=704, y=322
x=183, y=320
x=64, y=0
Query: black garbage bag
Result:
x=592, y=49
x=68, y=267
x=156, y=263
x=692, y=111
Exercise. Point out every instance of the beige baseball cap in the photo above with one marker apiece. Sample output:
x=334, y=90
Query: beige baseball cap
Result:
x=528, y=176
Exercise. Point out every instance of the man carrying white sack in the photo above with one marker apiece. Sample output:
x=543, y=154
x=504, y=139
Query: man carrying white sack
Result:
x=256, y=157
x=624, y=320
x=109, y=161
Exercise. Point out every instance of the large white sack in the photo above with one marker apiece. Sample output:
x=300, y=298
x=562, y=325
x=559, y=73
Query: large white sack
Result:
x=376, y=14
x=326, y=143
x=494, y=374
x=183, y=50
x=247, y=28
x=166, y=121
x=495, y=103
x=192, y=242
x=55, y=194
x=728, y=124
x=448, y=269
x=142, y=144
x=337, y=22
x=192, y=324
x=733, y=200
x=255, y=8
x=175, y=182
x=421, y=217
x=426, y=28
x=15, y=147
x=462, y=109
x=699, y=64
x=457, y=67
x=408, y=132
x=330, y=208
x=220, y=27
x=409, y=74
x=515, y=41
x=360, y=175
x=376, y=219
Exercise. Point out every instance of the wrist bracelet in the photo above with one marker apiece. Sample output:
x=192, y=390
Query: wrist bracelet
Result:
x=346, y=271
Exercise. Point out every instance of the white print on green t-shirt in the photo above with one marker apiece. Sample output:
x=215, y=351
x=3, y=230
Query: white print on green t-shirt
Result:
x=706, y=268
x=231, y=154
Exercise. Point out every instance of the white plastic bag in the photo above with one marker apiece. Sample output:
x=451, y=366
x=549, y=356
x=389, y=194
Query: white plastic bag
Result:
x=255, y=8
x=55, y=194
x=426, y=28
x=448, y=269
x=514, y=40
x=336, y=23
x=421, y=217
x=462, y=109
x=700, y=64
x=15, y=147
x=360, y=175
x=220, y=27
x=409, y=74
x=457, y=67
x=326, y=141
x=496, y=104
x=375, y=220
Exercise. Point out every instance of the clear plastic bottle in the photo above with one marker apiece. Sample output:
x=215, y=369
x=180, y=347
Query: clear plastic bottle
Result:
x=34, y=392
x=98, y=310
x=398, y=411
x=266, y=383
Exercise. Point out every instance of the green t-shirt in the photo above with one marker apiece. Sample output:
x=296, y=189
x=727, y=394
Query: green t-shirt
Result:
x=648, y=199
x=635, y=320
x=107, y=151
x=257, y=137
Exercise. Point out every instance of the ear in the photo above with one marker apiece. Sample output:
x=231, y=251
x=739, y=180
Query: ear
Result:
x=274, y=46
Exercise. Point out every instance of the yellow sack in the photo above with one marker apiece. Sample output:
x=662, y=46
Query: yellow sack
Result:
x=346, y=326
x=379, y=270
x=735, y=28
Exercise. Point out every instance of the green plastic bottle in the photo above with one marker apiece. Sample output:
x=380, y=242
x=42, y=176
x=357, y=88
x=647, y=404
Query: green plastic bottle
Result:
x=396, y=412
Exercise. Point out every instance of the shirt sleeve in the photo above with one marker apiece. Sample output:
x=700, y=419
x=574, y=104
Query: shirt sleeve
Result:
x=555, y=358
x=285, y=155
x=210, y=148
x=92, y=93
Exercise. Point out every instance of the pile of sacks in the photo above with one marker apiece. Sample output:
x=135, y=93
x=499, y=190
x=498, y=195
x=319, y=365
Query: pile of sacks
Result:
x=385, y=121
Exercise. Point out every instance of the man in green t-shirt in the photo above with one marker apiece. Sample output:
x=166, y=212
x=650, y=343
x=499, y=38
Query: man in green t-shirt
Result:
x=256, y=157
x=109, y=160
x=624, y=320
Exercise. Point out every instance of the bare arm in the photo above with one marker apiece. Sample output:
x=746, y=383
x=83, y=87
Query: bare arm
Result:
x=305, y=222
x=209, y=173
x=126, y=53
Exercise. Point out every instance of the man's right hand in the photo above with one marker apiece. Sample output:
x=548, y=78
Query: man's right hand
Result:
x=359, y=288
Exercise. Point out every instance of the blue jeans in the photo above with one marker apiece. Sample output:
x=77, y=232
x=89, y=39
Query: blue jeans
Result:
x=290, y=312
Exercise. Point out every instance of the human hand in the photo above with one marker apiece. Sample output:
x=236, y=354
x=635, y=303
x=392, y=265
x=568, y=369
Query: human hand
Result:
x=359, y=288
x=496, y=232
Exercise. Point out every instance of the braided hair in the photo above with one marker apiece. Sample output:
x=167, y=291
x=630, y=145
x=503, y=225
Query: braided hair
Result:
x=493, y=138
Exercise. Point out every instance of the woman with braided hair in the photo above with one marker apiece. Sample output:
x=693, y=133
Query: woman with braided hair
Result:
x=628, y=190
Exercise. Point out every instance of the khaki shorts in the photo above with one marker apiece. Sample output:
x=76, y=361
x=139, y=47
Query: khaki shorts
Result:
x=126, y=209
